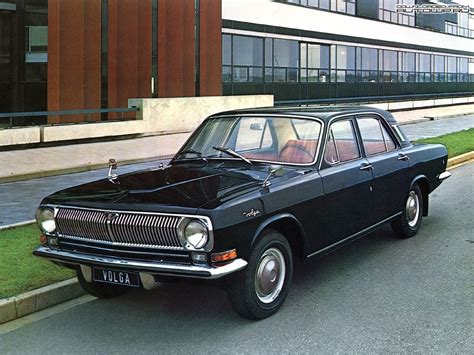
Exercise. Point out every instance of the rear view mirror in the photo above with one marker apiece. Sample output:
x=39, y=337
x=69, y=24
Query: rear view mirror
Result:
x=256, y=126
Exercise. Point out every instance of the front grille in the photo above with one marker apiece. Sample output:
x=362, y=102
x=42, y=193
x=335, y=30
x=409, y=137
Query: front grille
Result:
x=119, y=228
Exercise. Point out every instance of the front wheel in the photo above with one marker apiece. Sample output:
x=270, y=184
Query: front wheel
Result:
x=408, y=223
x=259, y=290
x=98, y=289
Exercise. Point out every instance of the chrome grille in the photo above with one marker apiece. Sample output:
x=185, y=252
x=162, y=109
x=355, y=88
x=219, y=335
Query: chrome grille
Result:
x=119, y=228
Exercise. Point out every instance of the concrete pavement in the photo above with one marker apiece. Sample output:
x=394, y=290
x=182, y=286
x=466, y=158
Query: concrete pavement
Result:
x=47, y=161
x=378, y=295
x=439, y=127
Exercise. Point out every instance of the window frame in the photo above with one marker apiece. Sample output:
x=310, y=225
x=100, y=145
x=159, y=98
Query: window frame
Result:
x=288, y=116
x=324, y=164
x=382, y=122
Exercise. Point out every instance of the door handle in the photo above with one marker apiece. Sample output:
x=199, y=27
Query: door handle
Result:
x=403, y=157
x=366, y=166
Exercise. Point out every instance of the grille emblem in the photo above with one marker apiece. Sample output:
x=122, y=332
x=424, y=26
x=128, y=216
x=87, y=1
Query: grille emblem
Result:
x=109, y=217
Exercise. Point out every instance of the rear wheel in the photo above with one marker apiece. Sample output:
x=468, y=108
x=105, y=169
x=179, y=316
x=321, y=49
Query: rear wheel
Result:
x=408, y=223
x=98, y=289
x=260, y=289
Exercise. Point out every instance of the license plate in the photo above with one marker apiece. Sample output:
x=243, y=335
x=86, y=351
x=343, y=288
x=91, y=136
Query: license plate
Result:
x=117, y=277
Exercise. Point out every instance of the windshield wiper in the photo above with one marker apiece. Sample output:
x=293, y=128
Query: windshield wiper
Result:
x=192, y=151
x=232, y=153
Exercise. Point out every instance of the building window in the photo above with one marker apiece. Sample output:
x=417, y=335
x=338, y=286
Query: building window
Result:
x=438, y=68
x=247, y=59
x=36, y=41
x=367, y=65
x=314, y=62
x=343, y=60
x=226, y=58
x=388, y=12
x=451, y=69
x=406, y=67
x=389, y=66
x=465, y=67
x=423, y=67
x=285, y=60
x=342, y=6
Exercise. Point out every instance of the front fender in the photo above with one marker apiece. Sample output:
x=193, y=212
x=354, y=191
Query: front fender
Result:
x=285, y=217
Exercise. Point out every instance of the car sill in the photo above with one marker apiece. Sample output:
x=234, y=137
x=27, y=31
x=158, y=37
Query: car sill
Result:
x=342, y=242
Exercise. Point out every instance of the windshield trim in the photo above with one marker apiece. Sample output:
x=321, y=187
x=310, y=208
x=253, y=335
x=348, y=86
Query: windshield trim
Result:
x=303, y=117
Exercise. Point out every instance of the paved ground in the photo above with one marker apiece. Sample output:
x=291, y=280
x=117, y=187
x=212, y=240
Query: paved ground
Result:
x=20, y=199
x=438, y=127
x=377, y=295
x=38, y=162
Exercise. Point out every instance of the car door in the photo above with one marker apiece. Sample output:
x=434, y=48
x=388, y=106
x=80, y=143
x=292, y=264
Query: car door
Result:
x=347, y=183
x=389, y=166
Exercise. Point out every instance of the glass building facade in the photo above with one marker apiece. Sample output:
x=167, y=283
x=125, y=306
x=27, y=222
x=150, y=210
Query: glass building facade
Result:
x=300, y=65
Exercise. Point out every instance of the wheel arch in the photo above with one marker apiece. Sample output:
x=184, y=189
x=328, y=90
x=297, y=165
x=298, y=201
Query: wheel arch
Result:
x=425, y=187
x=288, y=225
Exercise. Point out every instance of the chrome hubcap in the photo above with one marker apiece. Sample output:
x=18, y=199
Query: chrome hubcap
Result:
x=270, y=275
x=412, y=209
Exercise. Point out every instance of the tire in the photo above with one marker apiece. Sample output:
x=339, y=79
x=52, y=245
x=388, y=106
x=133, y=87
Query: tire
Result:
x=255, y=297
x=98, y=289
x=407, y=225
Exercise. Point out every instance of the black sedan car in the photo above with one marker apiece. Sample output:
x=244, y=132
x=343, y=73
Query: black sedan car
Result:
x=249, y=192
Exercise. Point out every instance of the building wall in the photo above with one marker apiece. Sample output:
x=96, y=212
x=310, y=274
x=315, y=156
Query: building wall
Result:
x=102, y=56
x=73, y=57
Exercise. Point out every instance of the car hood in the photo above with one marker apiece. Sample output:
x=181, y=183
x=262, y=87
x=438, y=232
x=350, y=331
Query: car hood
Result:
x=189, y=185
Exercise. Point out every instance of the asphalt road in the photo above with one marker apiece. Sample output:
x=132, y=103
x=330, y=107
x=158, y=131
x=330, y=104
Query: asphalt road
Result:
x=377, y=295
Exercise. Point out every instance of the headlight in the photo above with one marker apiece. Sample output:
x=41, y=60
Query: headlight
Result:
x=45, y=219
x=196, y=234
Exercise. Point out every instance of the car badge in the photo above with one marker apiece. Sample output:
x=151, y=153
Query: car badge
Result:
x=251, y=213
x=110, y=216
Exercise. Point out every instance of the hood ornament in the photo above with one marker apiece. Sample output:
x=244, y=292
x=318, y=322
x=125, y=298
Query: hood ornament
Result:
x=112, y=166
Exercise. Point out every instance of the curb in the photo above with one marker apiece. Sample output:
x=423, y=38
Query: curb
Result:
x=41, y=298
x=19, y=224
x=460, y=159
x=77, y=169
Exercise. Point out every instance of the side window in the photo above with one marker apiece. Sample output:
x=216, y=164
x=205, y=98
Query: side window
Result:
x=342, y=144
x=375, y=137
x=306, y=129
x=253, y=133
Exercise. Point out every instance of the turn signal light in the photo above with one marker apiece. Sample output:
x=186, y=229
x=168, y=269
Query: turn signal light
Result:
x=43, y=239
x=224, y=256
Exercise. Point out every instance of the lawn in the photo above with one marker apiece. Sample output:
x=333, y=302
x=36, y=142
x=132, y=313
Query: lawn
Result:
x=457, y=143
x=20, y=271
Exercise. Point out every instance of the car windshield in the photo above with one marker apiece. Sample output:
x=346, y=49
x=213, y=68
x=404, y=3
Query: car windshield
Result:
x=285, y=140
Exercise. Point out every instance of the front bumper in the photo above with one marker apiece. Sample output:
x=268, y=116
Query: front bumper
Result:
x=152, y=267
x=443, y=176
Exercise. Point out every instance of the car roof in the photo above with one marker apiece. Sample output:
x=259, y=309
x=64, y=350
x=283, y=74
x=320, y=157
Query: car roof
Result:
x=324, y=113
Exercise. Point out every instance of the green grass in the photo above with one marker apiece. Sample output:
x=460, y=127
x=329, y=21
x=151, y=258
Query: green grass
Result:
x=457, y=143
x=20, y=271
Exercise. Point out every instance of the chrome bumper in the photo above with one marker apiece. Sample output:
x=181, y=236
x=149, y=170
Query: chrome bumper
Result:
x=158, y=267
x=443, y=176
